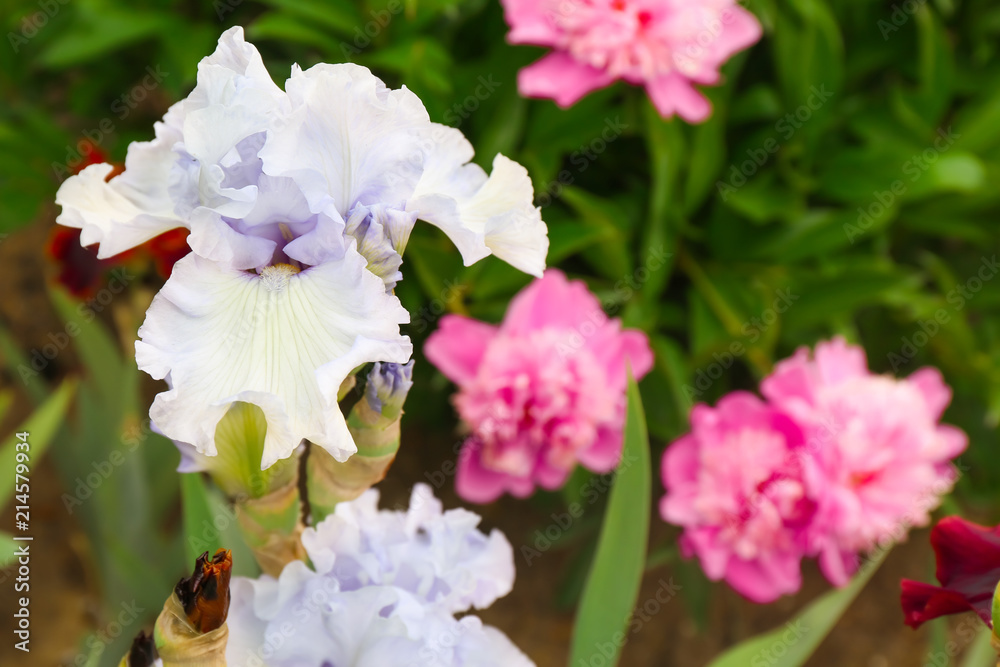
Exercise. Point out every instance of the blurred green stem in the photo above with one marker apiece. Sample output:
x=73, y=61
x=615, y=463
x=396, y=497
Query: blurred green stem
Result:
x=730, y=320
x=665, y=144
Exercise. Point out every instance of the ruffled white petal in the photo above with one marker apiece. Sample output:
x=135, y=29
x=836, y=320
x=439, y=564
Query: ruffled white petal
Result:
x=338, y=615
x=248, y=167
x=128, y=210
x=481, y=214
x=441, y=558
x=281, y=341
x=511, y=223
x=184, y=167
x=349, y=138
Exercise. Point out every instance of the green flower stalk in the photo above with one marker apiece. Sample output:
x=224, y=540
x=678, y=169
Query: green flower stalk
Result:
x=191, y=630
x=995, y=612
x=374, y=423
x=272, y=526
x=268, y=505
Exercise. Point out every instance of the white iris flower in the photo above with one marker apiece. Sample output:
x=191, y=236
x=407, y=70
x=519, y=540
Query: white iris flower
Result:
x=384, y=589
x=300, y=203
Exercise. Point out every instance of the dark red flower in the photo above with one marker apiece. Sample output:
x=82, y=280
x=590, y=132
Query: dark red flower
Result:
x=91, y=154
x=968, y=567
x=167, y=249
x=80, y=271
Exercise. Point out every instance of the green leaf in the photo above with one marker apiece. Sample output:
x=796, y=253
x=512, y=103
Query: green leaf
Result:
x=611, y=259
x=6, y=400
x=210, y=524
x=953, y=172
x=809, y=55
x=18, y=363
x=612, y=588
x=283, y=27
x=340, y=15
x=41, y=426
x=981, y=653
x=97, y=33
x=97, y=347
x=667, y=151
x=671, y=364
x=7, y=547
x=937, y=66
x=808, y=629
x=198, y=517
x=762, y=199
x=566, y=238
x=826, y=295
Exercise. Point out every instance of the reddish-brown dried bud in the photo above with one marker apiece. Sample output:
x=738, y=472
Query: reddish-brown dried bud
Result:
x=205, y=594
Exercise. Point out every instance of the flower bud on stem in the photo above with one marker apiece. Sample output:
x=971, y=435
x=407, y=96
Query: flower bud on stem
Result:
x=268, y=504
x=374, y=423
x=272, y=527
x=142, y=653
x=191, y=630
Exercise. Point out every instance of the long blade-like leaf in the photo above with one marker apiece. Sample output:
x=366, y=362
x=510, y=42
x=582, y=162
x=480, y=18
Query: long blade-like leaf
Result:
x=41, y=426
x=793, y=643
x=613, y=584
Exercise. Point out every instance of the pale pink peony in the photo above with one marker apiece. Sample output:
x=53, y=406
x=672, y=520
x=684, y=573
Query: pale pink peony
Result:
x=743, y=487
x=877, y=441
x=837, y=462
x=667, y=45
x=540, y=393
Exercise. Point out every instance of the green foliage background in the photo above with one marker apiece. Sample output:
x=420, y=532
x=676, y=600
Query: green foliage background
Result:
x=848, y=171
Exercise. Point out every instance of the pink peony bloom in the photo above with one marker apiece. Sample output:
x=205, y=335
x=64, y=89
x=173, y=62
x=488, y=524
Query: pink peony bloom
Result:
x=667, y=45
x=884, y=456
x=836, y=462
x=540, y=393
x=742, y=486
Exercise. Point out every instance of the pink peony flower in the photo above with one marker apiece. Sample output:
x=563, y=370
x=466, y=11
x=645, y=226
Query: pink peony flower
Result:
x=540, y=393
x=837, y=462
x=743, y=487
x=884, y=456
x=667, y=45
